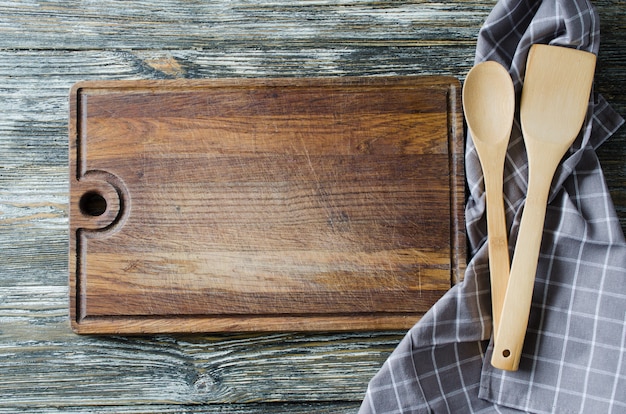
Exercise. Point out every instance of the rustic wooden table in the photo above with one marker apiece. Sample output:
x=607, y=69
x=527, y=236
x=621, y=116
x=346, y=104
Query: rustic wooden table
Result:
x=46, y=46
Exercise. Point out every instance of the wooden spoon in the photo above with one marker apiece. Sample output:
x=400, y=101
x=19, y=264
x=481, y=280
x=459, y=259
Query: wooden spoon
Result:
x=553, y=107
x=489, y=105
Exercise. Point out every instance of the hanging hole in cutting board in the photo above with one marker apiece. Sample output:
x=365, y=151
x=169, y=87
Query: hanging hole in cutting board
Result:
x=93, y=204
x=102, y=204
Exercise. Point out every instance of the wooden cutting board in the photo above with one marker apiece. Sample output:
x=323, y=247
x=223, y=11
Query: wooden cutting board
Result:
x=263, y=204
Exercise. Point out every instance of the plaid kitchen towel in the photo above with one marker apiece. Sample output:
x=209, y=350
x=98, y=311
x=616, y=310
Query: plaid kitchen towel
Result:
x=574, y=355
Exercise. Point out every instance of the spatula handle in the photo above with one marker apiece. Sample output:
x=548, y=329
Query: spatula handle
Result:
x=516, y=308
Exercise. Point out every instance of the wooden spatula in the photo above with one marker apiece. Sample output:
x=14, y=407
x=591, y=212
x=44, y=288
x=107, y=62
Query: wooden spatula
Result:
x=553, y=107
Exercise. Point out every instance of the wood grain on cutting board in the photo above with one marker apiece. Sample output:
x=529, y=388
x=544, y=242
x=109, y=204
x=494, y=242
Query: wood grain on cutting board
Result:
x=227, y=205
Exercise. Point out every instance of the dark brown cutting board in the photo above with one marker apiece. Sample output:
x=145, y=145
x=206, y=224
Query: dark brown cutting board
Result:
x=263, y=204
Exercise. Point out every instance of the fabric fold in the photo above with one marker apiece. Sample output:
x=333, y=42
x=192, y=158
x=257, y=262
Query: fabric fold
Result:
x=574, y=356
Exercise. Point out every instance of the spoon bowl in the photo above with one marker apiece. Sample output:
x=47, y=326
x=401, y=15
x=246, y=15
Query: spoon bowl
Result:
x=489, y=105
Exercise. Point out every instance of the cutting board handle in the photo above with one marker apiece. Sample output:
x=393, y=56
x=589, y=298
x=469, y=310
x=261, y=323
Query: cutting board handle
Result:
x=104, y=203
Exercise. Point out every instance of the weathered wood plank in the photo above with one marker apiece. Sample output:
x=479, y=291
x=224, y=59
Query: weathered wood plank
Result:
x=42, y=362
x=251, y=408
x=172, y=24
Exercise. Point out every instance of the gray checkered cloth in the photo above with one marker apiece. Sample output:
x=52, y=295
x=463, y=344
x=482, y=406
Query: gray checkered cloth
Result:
x=574, y=358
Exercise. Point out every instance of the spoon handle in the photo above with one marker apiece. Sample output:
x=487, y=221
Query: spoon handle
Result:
x=516, y=308
x=498, y=243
